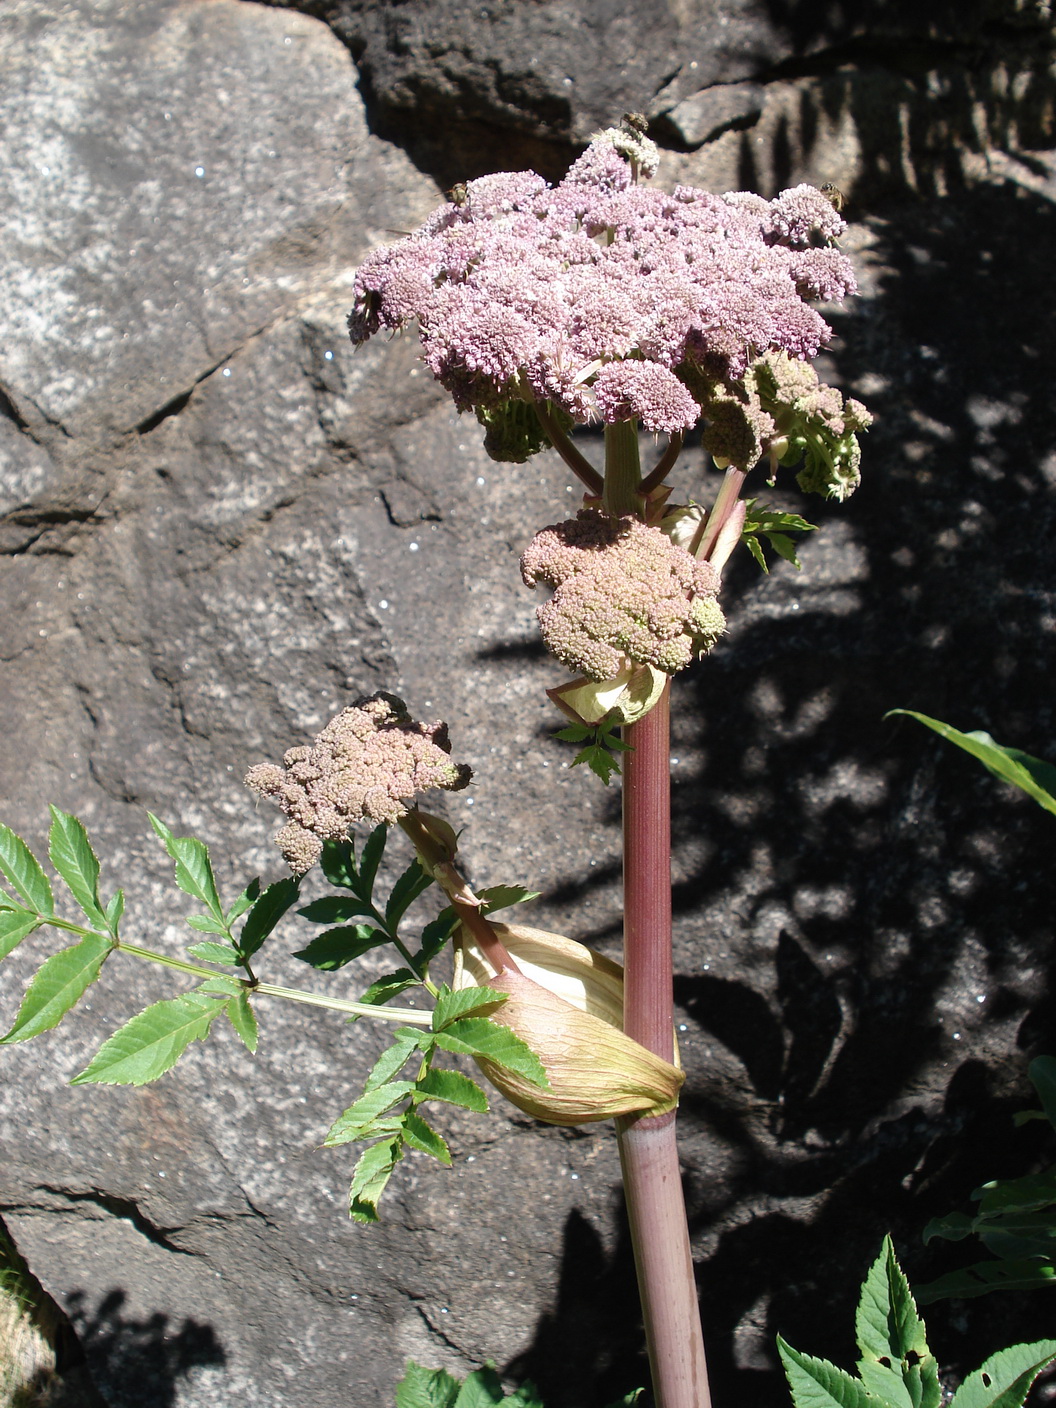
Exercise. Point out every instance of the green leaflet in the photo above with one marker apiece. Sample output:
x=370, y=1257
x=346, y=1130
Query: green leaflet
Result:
x=1034, y=776
x=152, y=1042
x=454, y=1088
x=405, y=1042
x=502, y=896
x=369, y=1178
x=1028, y=1274
x=370, y=858
x=481, y=1389
x=338, y=864
x=426, y=1388
x=953, y=1227
x=335, y=909
x=337, y=947
x=215, y=953
x=194, y=871
x=15, y=925
x=223, y=984
x=23, y=872
x=268, y=910
x=57, y=985
x=357, y=1120
x=450, y=1006
x=420, y=1135
x=245, y=901
x=384, y=989
x=1005, y=1379
x=1042, y=1073
x=206, y=924
x=775, y=526
x=477, y=1036
x=73, y=858
x=434, y=935
x=114, y=911
x=412, y=883
x=815, y=1383
x=242, y=1017
x=896, y=1364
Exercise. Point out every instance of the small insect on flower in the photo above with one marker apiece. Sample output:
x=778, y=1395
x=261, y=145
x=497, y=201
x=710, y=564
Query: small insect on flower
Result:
x=833, y=195
x=458, y=194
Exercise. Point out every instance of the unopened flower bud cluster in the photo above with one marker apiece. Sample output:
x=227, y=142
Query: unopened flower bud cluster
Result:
x=366, y=764
x=623, y=591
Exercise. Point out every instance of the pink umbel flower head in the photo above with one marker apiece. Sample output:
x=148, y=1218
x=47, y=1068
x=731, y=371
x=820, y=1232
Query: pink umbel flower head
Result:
x=606, y=299
x=366, y=764
x=624, y=592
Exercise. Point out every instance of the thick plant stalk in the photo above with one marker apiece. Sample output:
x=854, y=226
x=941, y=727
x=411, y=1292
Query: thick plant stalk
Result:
x=648, y=1152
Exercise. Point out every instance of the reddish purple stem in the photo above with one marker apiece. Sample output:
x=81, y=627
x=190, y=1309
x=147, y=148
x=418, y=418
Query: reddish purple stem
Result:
x=648, y=1152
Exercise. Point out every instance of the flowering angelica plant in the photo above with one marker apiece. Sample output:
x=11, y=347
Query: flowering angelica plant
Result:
x=539, y=308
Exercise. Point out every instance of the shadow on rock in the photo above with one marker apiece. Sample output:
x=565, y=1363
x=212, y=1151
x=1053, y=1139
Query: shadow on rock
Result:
x=140, y=1361
x=590, y=1349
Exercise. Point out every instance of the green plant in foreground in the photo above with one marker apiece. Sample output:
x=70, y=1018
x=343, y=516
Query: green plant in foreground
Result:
x=436, y=1388
x=896, y=1368
x=1016, y=1221
x=150, y=1043
x=1033, y=776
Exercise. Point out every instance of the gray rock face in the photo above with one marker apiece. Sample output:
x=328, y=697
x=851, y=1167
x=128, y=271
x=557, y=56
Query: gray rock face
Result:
x=220, y=525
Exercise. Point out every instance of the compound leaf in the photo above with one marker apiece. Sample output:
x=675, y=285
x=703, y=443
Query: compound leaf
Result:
x=57, y=985
x=152, y=1042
